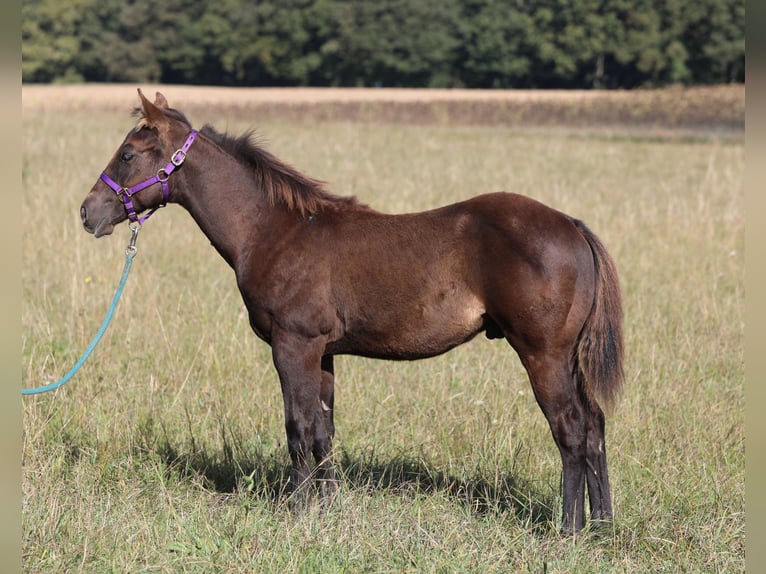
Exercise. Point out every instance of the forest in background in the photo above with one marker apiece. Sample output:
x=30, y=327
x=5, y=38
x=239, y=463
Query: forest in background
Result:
x=390, y=43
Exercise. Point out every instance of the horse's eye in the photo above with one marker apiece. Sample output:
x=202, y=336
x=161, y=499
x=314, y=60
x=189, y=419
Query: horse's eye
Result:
x=126, y=156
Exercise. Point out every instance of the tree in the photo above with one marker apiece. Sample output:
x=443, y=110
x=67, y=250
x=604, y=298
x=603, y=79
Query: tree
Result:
x=471, y=43
x=401, y=43
x=714, y=37
x=59, y=40
x=495, y=45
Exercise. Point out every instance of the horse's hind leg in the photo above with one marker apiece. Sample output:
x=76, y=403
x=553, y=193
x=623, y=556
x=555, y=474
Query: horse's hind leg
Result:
x=561, y=402
x=323, y=441
x=597, y=474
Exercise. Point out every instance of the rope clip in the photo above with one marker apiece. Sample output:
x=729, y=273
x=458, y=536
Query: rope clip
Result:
x=131, y=249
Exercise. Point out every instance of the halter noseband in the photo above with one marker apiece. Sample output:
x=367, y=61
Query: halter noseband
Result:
x=126, y=193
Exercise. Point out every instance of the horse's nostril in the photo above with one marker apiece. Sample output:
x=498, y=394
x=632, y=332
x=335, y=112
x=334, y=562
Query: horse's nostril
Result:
x=83, y=214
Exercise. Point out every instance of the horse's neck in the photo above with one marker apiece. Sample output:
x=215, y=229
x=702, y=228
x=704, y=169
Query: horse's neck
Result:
x=217, y=192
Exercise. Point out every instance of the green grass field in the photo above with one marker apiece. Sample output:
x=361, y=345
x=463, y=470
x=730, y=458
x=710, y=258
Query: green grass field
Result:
x=166, y=453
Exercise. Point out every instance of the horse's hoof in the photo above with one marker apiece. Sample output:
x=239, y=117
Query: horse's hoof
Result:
x=328, y=492
x=299, y=500
x=601, y=526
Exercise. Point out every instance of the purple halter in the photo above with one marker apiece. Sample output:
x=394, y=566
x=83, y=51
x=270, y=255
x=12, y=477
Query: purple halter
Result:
x=126, y=193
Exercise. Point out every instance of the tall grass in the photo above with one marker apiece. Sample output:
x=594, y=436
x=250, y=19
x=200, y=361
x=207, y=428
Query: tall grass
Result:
x=166, y=453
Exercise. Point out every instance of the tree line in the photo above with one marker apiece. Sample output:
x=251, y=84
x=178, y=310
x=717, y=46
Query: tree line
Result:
x=405, y=43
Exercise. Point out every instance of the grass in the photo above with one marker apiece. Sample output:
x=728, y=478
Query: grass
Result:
x=166, y=453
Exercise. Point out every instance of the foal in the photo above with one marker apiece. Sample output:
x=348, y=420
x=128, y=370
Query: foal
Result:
x=322, y=275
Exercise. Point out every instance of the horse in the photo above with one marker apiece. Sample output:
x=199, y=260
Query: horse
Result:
x=324, y=275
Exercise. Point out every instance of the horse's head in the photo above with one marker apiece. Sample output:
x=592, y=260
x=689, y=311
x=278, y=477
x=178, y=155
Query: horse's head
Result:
x=143, y=163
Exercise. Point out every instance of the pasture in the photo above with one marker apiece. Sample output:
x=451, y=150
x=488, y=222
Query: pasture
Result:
x=166, y=453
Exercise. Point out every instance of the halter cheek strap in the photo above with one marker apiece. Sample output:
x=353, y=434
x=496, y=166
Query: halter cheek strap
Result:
x=126, y=193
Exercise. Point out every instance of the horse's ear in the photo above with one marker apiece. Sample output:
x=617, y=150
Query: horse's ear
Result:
x=160, y=101
x=152, y=113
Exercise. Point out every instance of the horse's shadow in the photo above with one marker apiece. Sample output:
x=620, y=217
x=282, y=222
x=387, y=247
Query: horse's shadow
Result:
x=265, y=476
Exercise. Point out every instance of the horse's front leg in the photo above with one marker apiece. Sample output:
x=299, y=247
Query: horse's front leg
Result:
x=323, y=441
x=298, y=361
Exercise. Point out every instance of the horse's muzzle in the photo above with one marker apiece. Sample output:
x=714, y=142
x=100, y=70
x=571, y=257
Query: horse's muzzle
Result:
x=102, y=226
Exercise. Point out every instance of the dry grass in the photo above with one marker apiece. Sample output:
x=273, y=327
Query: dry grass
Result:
x=719, y=108
x=166, y=454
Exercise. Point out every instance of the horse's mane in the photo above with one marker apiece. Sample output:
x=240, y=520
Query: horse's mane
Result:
x=280, y=181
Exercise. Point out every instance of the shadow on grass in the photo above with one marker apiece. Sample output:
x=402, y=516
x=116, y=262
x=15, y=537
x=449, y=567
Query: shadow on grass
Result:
x=236, y=469
x=529, y=501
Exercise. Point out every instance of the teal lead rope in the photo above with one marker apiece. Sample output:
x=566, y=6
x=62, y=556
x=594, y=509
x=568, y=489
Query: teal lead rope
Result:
x=130, y=253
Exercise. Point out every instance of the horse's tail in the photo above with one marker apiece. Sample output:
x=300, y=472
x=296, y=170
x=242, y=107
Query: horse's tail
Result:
x=598, y=368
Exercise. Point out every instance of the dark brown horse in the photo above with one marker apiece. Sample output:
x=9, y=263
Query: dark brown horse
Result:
x=323, y=275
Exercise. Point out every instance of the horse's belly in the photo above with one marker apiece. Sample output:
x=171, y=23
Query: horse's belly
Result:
x=415, y=330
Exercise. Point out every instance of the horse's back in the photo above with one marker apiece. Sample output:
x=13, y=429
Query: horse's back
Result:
x=519, y=218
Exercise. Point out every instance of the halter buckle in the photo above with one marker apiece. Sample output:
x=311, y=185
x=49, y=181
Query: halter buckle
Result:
x=180, y=160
